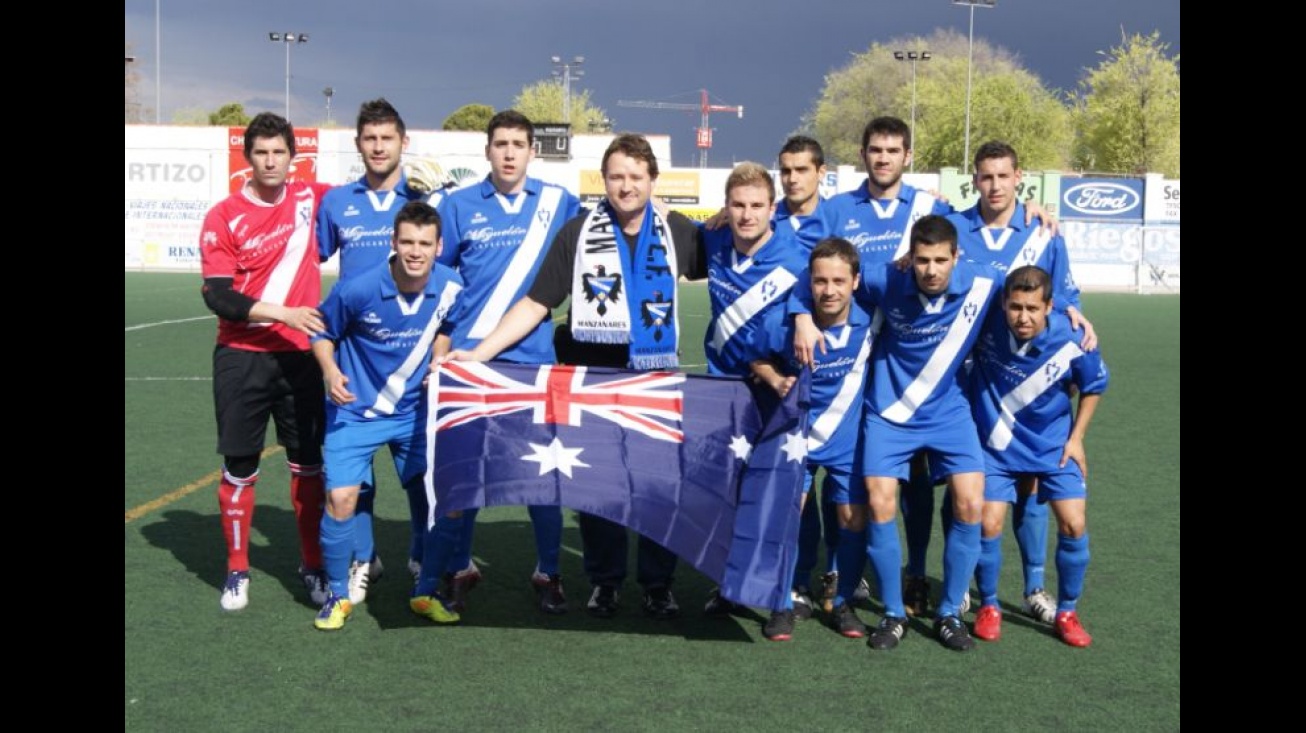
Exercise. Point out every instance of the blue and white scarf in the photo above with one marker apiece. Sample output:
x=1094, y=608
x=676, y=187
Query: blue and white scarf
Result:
x=605, y=282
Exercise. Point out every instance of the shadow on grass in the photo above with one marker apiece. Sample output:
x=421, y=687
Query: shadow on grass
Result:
x=504, y=549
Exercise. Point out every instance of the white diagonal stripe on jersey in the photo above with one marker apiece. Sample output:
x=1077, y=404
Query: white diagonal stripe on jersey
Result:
x=850, y=393
x=418, y=358
x=292, y=257
x=1026, y=392
x=1034, y=248
x=775, y=284
x=523, y=262
x=921, y=204
x=934, y=370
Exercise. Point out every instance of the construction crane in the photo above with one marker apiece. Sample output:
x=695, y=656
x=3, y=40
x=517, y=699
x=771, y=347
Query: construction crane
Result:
x=705, y=107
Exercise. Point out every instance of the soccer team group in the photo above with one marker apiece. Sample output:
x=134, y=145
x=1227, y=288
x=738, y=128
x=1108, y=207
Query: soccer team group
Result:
x=946, y=347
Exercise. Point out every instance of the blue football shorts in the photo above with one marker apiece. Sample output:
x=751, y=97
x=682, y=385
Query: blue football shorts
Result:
x=886, y=448
x=352, y=440
x=1054, y=485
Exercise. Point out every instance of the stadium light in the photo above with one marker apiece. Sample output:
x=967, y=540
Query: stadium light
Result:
x=913, y=57
x=970, y=61
x=158, y=64
x=569, y=70
x=289, y=39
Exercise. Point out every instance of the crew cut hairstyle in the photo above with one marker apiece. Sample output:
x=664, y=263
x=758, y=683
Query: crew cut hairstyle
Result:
x=836, y=247
x=996, y=149
x=1028, y=279
x=805, y=144
x=418, y=213
x=933, y=229
x=513, y=120
x=889, y=126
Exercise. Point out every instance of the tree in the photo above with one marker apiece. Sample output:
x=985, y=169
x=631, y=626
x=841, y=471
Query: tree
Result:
x=474, y=117
x=190, y=116
x=229, y=115
x=542, y=102
x=1007, y=103
x=1127, y=109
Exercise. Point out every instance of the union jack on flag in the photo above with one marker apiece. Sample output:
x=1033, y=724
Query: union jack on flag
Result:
x=648, y=403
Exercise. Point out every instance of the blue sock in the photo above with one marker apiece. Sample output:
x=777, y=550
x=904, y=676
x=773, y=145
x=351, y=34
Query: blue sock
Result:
x=462, y=555
x=437, y=546
x=917, y=515
x=809, y=539
x=960, y=554
x=1030, y=520
x=1072, y=564
x=852, y=558
x=885, y=552
x=417, y=508
x=830, y=521
x=364, y=542
x=337, y=551
x=989, y=569
x=547, y=521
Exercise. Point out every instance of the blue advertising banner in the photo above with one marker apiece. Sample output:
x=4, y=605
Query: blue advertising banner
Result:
x=1102, y=199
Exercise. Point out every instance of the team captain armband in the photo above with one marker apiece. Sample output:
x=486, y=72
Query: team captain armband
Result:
x=225, y=302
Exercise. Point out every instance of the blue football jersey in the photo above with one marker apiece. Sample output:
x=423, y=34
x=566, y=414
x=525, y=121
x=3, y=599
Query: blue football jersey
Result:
x=1017, y=245
x=838, y=380
x=741, y=290
x=359, y=223
x=878, y=228
x=1021, y=392
x=497, y=243
x=383, y=337
x=809, y=229
x=924, y=341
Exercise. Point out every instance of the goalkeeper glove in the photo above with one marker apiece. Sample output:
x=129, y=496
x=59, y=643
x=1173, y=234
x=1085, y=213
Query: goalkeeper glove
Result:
x=425, y=175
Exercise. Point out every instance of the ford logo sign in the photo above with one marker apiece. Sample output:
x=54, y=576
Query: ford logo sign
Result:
x=1100, y=199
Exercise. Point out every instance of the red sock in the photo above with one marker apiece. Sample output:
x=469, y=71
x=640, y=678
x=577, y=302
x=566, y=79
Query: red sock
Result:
x=308, y=494
x=236, y=505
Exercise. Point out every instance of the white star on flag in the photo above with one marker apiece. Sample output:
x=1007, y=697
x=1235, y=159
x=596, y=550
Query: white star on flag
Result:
x=740, y=446
x=555, y=456
x=795, y=447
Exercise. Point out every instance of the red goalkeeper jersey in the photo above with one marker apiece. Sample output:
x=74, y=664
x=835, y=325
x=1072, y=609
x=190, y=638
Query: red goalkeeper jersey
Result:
x=270, y=252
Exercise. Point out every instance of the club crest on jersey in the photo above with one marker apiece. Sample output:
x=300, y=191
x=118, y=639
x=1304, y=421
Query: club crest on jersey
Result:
x=601, y=286
x=544, y=216
x=969, y=311
x=1028, y=254
x=1051, y=370
x=656, y=313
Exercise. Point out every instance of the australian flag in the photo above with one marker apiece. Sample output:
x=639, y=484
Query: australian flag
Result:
x=710, y=467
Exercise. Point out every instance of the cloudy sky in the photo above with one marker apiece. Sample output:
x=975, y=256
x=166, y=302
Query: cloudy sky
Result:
x=430, y=57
